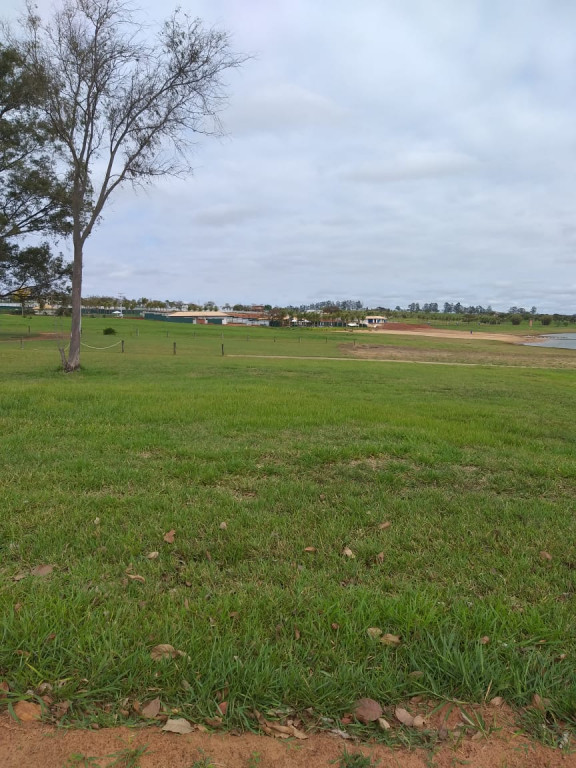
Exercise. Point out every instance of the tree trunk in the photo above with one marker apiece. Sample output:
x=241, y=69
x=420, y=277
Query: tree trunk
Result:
x=73, y=362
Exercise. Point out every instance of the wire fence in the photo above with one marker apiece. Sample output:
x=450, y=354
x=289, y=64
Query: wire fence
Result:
x=180, y=340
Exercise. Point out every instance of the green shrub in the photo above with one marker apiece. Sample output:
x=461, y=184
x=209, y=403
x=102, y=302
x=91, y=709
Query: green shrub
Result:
x=516, y=319
x=109, y=331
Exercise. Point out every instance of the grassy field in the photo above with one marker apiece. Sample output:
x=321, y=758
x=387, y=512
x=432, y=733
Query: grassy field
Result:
x=250, y=461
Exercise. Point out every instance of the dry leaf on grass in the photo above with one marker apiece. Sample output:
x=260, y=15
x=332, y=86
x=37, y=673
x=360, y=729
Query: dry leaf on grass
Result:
x=177, y=725
x=223, y=526
x=169, y=537
x=223, y=707
x=4, y=689
x=545, y=555
x=335, y=626
x=223, y=694
x=152, y=555
x=497, y=701
x=310, y=549
x=60, y=709
x=342, y=734
x=27, y=711
x=380, y=557
x=348, y=552
x=214, y=722
x=404, y=717
x=367, y=710
x=151, y=709
x=165, y=651
x=384, y=724
x=539, y=703
x=20, y=576
x=136, y=577
x=484, y=640
x=392, y=640
x=42, y=570
x=418, y=722
x=346, y=719
x=374, y=632
x=277, y=730
x=384, y=526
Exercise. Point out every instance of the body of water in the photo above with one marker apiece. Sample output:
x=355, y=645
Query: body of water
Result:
x=557, y=340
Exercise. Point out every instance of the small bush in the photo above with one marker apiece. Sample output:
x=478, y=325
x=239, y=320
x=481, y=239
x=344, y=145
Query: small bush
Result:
x=109, y=331
x=516, y=319
x=545, y=319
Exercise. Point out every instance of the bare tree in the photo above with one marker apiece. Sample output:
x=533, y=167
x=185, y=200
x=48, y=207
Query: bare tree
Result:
x=122, y=107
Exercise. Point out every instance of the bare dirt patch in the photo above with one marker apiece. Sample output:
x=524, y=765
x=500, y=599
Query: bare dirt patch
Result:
x=401, y=327
x=446, y=333
x=34, y=337
x=516, y=355
x=36, y=744
x=373, y=462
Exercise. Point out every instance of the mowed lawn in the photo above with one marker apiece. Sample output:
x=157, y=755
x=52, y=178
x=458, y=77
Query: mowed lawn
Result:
x=276, y=476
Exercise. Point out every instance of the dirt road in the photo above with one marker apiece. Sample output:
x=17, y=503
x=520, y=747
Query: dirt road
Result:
x=42, y=746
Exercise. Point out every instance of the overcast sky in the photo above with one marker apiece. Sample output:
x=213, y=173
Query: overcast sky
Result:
x=383, y=150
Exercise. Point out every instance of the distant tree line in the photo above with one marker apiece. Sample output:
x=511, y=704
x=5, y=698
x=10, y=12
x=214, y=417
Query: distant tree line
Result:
x=344, y=311
x=330, y=305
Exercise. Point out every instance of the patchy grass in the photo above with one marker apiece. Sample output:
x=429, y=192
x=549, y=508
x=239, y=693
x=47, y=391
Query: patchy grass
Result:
x=124, y=758
x=203, y=762
x=473, y=467
x=354, y=760
x=459, y=352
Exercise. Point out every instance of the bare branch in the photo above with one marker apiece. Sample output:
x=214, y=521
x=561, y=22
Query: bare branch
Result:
x=123, y=107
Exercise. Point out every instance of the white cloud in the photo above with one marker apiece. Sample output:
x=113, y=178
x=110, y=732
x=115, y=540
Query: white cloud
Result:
x=394, y=152
x=277, y=108
x=413, y=165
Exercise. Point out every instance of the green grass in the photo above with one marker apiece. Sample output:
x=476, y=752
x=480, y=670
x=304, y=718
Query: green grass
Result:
x=125, y=758
x=203, y=762
x=354, y=760
x=474, y=468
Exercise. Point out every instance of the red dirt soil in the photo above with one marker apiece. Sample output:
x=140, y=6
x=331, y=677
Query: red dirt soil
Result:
x=44, y=746
x=400, y=327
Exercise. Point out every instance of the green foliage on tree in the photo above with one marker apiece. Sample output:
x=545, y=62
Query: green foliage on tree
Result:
x=32, y=200
x=33, y=270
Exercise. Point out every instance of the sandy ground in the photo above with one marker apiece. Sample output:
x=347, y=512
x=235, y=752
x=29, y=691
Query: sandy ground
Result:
x=441, y=333
x=43, y=746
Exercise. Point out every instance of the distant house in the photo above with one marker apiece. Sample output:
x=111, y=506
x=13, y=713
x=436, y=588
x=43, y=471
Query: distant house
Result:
x=374, y=320
x=10, y=306
x=212, y=317
x=201, y=317
x=248, y=318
